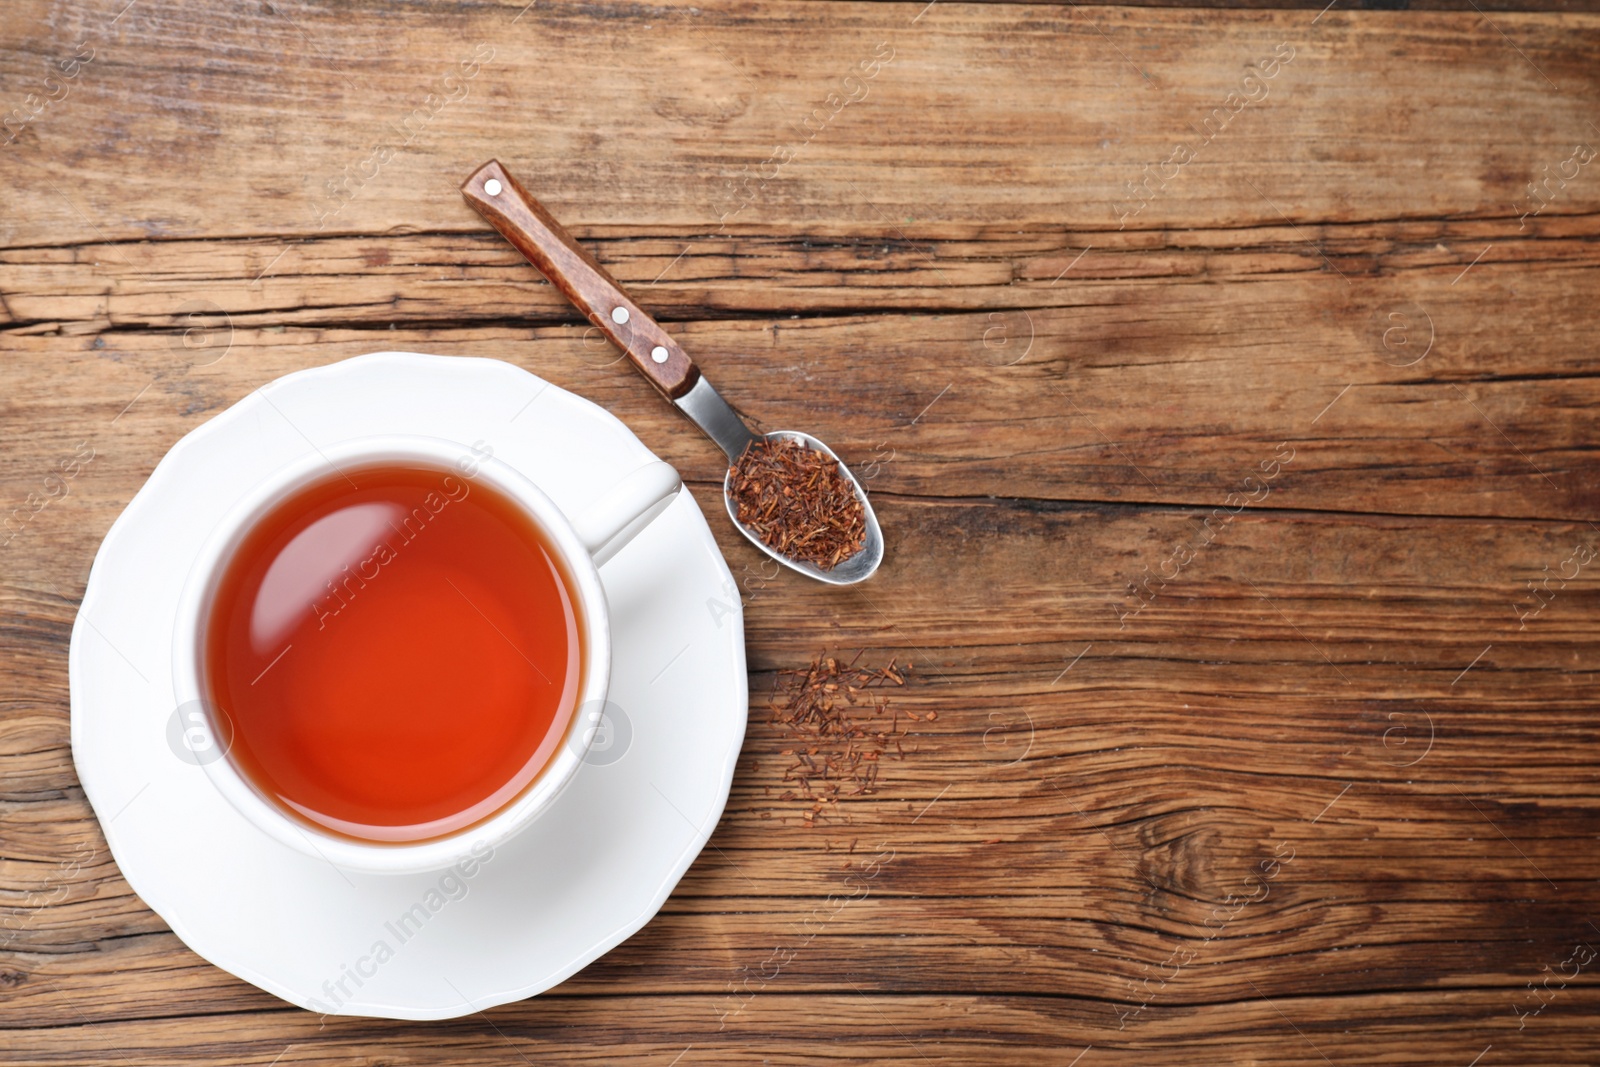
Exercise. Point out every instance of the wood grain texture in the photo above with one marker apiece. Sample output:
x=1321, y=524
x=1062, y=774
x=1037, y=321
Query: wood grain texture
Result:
x=1226, y=508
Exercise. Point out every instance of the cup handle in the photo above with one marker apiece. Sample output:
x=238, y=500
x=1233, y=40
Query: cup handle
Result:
x=618, y=516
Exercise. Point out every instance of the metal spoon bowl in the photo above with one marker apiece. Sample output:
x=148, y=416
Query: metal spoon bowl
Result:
x=859, y=567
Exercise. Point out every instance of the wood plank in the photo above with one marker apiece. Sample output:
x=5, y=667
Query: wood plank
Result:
x=894, y=1030
x=1218, y=381
x=987, y=114
x=459, y=279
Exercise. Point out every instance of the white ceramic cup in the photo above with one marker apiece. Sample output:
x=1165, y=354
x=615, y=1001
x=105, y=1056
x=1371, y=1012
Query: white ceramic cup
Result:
x=584, y=542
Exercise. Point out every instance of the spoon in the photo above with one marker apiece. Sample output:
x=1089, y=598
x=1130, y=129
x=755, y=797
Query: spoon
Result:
x=523, y=221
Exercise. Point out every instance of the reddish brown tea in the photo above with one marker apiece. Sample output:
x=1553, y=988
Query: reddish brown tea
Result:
x=398, y=653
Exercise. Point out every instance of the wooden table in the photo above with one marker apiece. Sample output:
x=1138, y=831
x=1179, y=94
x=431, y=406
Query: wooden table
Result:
x=1225, y=392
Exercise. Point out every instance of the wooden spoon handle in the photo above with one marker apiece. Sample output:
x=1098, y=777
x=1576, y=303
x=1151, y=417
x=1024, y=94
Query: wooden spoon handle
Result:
x=524, y=222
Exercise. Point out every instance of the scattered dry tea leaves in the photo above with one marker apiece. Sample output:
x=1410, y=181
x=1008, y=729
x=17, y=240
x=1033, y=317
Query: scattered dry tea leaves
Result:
x=798, y=502
x=842, y=728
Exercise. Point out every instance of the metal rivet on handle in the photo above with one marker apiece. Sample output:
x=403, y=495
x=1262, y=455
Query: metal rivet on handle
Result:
x=492, y=186
x=619, y=315
x=659, y=354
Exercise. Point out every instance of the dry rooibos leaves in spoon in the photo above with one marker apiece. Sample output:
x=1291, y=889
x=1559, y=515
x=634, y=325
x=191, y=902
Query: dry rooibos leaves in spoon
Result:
x=798, y=502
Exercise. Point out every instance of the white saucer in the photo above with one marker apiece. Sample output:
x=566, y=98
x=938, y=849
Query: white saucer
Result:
x=580, y=880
